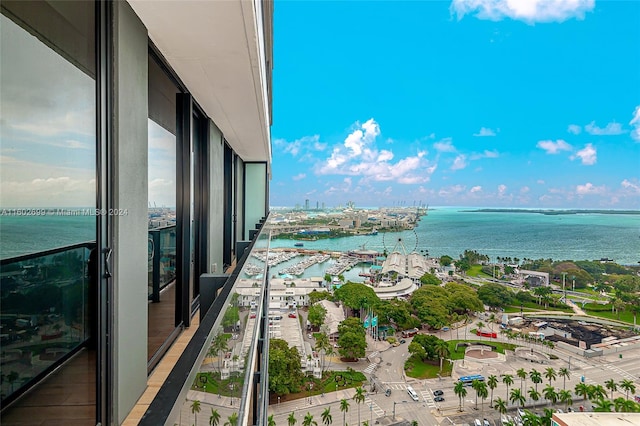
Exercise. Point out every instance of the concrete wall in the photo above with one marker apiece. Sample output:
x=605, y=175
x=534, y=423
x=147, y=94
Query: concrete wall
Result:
x=130, y=191
x=216, y=199
x=240, y=234
x=255, y=194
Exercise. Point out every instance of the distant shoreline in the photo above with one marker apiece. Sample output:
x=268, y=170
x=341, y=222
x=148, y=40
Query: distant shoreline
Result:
x=556, y=212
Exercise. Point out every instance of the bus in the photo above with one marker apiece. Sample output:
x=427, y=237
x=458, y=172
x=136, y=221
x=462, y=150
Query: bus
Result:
x=467, y=380
x=409, y=333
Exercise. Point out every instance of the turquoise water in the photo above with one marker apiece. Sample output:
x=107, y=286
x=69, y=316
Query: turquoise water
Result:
x=447, y=231
x=450, y=231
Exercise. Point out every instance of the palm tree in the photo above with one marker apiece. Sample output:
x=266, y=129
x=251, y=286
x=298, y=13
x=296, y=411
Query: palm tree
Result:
x=530, y=419
x=534, y=395
x=625, y=406
x=476, y=385
x=522, y=373
x=507, y=379
x=344, y=407
x=214, y=419
x=359, y=399
x=565, y=374
x=460, y=391
x=500, y=405
x=582, y=389
x=596, y=392
x=602, y=405
x=517, y=397
x=492, y=382
x=550, y=374
x=480, y=325
x=195, y=409
x=271, y=421
x=546, y=418
x=612, y=385
x=484, y=393
x=291, y=420
x=232, y=420
x=327, y=419
x=565, y=396
x=627, y=386
x=308, y=420
x=441, y=349
x=550, y=394
x=535, y=377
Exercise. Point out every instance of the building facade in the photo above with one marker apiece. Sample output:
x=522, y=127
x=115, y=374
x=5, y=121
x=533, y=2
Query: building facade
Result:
x=118, y=115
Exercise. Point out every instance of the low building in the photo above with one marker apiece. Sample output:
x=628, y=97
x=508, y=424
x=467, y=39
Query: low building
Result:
x=595, y=419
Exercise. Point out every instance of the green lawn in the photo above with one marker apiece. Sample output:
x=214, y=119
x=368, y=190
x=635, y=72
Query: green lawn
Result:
x=604, y=311
x=499, y=347
x=421, y=370
x=210, y=382
x=535, y=306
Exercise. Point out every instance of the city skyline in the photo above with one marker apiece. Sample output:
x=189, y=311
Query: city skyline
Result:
x=463, y=103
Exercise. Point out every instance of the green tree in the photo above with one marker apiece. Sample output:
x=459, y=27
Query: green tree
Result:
x=582, y=389
x=550, y=394
x=530, y=419
x=550, y=374
x=507, y=379
x=535, y=377
x=271, y=421
x=517, y=397
x=534, y=395
x=291, y=420
x=565, y=397
x=232, y=420
x=214, y=419
x=492, y=382
x=495, y=295
x=565, y=374
x=317, y=315
x=446, y=260
x=356, y=296
x=460, y=392
x=477, y=385
x=429, y=279
x=416, y=350
x=602, y=405
x=344, y=407
x=500, y=405
x=522, y=373
x=596, y=392
x=441, y=349
x=628, y=386
x=359, y=399
x=285, y=369
x=612, y=385
x=327, y=418
x=308, y=420
x=195, y=409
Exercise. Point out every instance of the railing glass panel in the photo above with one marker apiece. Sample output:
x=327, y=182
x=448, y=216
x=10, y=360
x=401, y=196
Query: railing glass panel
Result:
x=46, y=307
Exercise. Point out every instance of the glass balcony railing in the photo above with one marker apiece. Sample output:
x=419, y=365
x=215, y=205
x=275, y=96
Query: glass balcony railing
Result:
x=222, y=371
x=45, y=305
x=162, y=259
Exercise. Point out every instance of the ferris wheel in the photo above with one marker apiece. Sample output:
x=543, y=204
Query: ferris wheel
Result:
x=405, y=244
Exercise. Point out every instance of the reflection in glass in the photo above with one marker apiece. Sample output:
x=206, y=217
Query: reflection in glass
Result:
x=47, y=198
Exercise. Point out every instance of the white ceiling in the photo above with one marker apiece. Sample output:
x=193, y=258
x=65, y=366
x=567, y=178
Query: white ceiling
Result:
x=215, y=48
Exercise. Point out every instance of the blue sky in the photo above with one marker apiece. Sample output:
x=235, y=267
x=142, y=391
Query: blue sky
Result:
x=464, y=103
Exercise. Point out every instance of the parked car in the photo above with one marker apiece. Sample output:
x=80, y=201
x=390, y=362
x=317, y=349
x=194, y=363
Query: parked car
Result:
x=396, y=343
x=403, y=341
x=292, y=315
x=438, y=392
x=438, y=399
x=252, y=315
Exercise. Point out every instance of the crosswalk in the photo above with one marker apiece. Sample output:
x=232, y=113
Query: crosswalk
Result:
x=368, y=402
x=397, y=386
x=428, y=398
x=370, y=368
x=621, y=372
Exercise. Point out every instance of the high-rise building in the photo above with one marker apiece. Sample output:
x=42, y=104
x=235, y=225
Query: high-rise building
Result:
x=113, y=105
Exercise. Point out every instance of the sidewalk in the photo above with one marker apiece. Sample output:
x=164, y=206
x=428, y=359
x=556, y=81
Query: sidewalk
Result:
x=316, y=400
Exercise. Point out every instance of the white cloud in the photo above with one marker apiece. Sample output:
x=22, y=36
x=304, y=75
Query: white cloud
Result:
x=459, y=163
x=359, y=156
x=299, y=177
x=552, y=147
x=610, y=129
x=475, y=189
x=530, y=11
x=451, y=190
x=525, y=189
x=635, y=122
x=485, y=131
x=305, y=143
x=502, y=189
x=632, y=187
x=588, y=155
x=540, y=182
x=485, y=154
x=590, y=189
x=444, y=145
x=574, y=128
